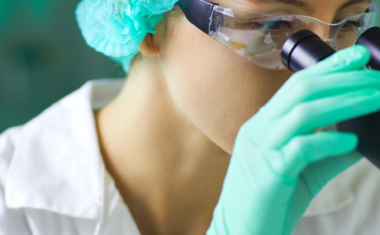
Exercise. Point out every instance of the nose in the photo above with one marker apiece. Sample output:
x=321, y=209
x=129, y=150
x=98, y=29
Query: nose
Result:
x=328, y=42
x=323, y=31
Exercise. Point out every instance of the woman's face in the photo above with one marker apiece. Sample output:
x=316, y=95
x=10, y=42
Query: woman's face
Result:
x=217, y=89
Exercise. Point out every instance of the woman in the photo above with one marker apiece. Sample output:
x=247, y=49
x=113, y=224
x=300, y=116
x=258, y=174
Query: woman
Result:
x=150, y=155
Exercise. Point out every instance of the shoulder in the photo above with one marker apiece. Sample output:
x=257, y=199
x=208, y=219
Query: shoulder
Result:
x=8, y=142
x=11, y=221
x=51, y=169
x=28, y=217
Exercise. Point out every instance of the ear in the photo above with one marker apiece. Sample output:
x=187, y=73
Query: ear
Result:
x=149, y=46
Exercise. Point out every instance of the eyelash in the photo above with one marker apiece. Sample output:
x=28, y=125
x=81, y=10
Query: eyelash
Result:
x=278, y=24
x=259, y=25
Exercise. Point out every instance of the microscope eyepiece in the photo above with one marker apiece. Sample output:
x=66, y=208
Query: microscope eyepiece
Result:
x=304, y=49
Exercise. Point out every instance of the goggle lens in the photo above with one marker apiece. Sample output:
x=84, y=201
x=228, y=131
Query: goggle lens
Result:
x=260, y=37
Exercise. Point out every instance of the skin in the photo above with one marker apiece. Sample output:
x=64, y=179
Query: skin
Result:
x=168, y=137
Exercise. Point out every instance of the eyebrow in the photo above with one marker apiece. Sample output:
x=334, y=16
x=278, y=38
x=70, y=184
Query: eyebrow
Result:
x=298, y=3
x=304, y=6
x=352, y=2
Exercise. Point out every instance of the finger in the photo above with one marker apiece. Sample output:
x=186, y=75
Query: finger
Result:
x=306, y=117
x=329, y=85
x=303, y=150
x=352, y=58
x=349, y=59
x=313, y=179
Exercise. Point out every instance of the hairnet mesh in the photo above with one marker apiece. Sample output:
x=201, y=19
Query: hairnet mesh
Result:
x=117, y=27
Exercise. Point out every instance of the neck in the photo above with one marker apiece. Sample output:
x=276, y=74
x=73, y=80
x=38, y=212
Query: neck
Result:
x=168, y=172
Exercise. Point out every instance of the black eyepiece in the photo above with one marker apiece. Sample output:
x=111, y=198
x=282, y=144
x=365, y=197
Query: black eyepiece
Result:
x=304, y=49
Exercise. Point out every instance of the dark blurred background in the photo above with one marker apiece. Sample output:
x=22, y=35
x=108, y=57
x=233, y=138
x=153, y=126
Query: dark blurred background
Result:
x=43, y=57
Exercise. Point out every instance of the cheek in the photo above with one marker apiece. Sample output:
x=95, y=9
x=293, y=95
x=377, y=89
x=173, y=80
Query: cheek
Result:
x=216, y=89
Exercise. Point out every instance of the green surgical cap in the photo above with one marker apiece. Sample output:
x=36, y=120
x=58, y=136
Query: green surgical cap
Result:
x=117, y=27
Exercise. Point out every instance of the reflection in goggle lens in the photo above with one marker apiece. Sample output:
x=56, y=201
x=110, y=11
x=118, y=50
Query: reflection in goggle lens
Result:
x=259, y=37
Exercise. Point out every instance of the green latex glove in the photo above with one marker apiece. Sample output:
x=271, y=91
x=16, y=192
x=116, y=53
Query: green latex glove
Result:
x=279, y=163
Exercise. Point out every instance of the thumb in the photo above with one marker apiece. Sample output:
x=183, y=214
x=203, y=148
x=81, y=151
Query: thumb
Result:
x=312, y=180
x=318, y=174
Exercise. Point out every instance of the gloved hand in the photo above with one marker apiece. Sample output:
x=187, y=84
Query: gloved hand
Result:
x=279, y=163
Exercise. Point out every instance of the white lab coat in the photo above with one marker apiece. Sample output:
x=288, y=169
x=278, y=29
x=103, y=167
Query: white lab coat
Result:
x=53, y=179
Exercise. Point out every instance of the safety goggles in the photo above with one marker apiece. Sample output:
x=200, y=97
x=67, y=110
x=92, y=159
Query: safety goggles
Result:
x=259, y=37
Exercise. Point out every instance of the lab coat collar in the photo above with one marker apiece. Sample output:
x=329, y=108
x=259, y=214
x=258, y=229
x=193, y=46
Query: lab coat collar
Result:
x=57, y=165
